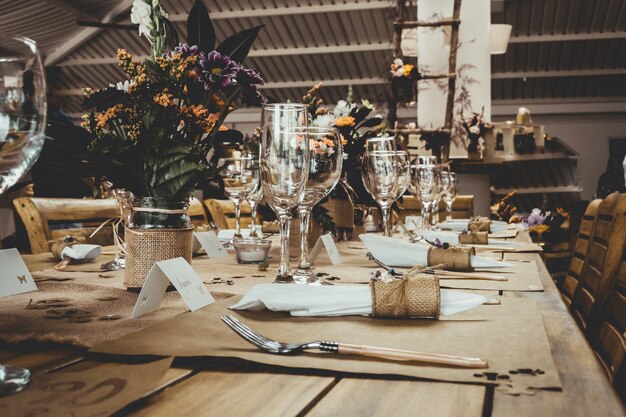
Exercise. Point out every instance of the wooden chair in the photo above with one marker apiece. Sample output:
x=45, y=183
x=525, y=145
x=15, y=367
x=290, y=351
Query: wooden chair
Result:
x=568, y=285
x=462, y=207
x=607, y=334
x=197, y=213
x=222, y=213
x=603, y=256
x=45, y=219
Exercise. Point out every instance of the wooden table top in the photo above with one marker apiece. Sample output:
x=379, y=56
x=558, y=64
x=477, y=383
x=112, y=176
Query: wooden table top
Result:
x=224, y=390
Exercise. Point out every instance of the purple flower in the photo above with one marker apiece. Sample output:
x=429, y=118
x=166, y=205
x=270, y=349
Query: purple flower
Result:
x=185, y=50
x=248, y=77
x=216, y=70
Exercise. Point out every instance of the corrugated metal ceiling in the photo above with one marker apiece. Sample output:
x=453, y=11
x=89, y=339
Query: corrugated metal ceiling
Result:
x=560, y=48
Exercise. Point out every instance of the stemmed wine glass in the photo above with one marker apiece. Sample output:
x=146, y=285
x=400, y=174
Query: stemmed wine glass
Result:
x=253, y=199
x=427, y=180
x=241, y=176
x=326, y=159
x=22, y=124
x=449, y=178
x=284, y=162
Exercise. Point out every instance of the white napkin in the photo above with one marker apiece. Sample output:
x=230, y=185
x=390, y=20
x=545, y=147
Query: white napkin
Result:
x=337, y=300
x=81, y=252
x=226, y=235
x=459, y=225
x=395, y=252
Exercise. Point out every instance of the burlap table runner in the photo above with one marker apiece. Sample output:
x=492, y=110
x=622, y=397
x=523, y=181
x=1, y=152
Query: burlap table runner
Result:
x=414, y=296
x=510, y=336
x=78, y=314
x=474, y=238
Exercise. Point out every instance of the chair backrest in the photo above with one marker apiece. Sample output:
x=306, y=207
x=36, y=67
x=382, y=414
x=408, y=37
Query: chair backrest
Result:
x=462, y=207
x=608, y=333
x=197, y=213
x=603, y=257
x=569, y=284
x=47, y=219
x=222, y=213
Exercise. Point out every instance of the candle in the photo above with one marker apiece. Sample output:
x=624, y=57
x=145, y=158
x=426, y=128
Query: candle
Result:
x=251, y=250
x=250, y=255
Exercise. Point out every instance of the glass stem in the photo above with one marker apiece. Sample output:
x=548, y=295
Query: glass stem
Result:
x=285, y=223
x=448, y=208
x=253, y=206
x=237, y=203
x=305, y=215
x=386, y=211
x=425, y=212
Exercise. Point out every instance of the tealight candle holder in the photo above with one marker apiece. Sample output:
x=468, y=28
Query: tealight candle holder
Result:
x=252, y=251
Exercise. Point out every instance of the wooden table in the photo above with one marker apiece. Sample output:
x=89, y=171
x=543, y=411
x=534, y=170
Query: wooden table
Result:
x=220, y=390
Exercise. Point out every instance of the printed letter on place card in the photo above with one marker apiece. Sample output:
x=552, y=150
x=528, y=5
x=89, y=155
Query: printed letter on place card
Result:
x=14, y=276
x=331, y=249
x=211, y=244
x=182, y=276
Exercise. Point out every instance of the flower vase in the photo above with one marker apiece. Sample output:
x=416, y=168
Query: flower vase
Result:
x=157, y=230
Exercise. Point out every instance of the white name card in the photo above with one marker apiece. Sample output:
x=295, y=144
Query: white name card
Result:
x=210, y=243
x=328, y=243
x=412, y=222
x=14, y=275
x=182, y=276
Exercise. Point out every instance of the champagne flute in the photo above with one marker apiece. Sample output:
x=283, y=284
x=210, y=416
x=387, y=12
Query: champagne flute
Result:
x=451, y=191
x=253, y=198
x=241, y=176
x=284, y=162
x=22, y=124
x=326, y=159
x=427, y=183
x=426, y=208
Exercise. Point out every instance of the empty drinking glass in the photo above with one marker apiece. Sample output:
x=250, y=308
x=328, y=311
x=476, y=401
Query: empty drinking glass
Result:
x=427, y=181
x=284, y=162
x=380, y=171
x=326, y=158
x=253, y=199
x=451, y=189
x=241, y=176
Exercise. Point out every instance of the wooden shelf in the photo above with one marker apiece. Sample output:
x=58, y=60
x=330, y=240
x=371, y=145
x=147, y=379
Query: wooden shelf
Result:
x=539, y=190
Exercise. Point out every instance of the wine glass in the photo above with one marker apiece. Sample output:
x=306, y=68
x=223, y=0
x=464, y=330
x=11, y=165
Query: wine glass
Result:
x=452, y=187
x=253, y=199
x=381, y=169
x=326, y=159
x=284, y=161
x=22, y=124
x=241, y=176
x=427, y=179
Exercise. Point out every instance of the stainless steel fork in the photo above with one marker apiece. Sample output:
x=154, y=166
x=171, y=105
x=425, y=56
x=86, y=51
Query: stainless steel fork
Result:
x=273, y=346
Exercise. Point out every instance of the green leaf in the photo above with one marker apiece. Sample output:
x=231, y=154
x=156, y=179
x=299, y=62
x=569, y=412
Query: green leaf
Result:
x=238, y=45
x=200, y=30
x=171, y=34
x=181, y=177
x=371, y=122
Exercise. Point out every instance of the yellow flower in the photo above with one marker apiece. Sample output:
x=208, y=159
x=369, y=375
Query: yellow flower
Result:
x=344, y=121
x=164, y=99
x=407, y=70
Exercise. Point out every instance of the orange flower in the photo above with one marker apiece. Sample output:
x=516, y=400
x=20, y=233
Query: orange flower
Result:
x=344, y=121
x=407, y=70
x=164, y=99
x=562, y=212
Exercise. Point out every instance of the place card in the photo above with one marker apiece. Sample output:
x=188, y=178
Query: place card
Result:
x=412, y=222
x=328, y=243
x=182, y=276
x=14, y=277
x=210, y=243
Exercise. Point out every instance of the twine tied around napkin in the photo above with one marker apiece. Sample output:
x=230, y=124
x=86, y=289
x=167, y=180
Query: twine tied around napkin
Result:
x=413, y=296
x=479, y=224
x=452, y=258
x=474, y=238
x=57, y=246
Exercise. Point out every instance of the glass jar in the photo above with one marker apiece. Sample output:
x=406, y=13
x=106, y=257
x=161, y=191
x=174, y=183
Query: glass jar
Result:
x=158, y=213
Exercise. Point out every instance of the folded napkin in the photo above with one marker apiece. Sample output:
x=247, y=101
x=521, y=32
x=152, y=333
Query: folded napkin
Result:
x=459, y=225
x=226, y=235
x=336, y=300
x=78, y=252
x=402, y=254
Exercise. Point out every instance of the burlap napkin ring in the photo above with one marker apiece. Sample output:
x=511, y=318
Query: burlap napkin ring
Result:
x=410, y=297
x=57, y=246
x=452, y=258
x=479, y=224
x=474, y=238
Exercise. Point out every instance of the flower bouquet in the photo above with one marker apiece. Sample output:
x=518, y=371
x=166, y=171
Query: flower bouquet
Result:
x=475, y=128
x=157, y=126
x=403, y=80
